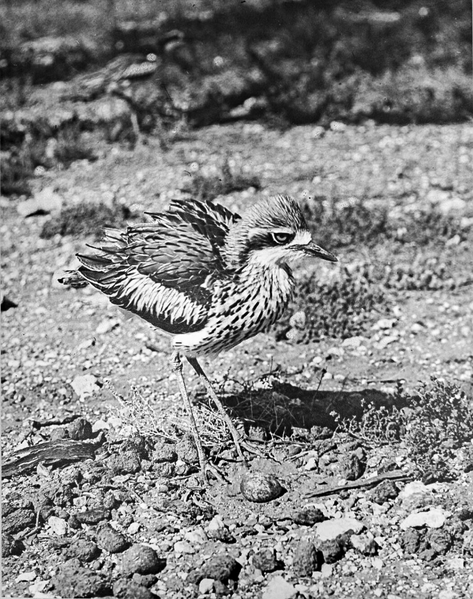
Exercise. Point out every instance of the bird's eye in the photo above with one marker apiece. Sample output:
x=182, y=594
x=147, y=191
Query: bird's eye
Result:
x=282, y=238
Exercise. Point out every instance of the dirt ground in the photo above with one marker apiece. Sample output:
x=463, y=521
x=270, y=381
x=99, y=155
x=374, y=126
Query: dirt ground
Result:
x=56, y=335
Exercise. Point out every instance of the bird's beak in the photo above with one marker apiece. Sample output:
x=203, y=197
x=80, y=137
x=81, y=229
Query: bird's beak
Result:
x=312, y=249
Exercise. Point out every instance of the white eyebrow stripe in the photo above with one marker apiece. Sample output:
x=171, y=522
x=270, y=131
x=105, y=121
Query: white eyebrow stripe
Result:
x=301, y=238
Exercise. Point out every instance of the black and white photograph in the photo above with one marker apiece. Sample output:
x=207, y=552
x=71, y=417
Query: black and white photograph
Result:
x=237, y=299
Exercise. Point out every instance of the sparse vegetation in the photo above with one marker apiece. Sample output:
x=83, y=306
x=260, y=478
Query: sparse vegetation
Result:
x=339, y=308
x=431, y=426
x=208, y=187
x=86, y=218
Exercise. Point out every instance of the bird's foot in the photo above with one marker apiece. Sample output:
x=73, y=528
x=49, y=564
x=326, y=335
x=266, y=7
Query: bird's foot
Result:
x=211, y=471
x=251, y=448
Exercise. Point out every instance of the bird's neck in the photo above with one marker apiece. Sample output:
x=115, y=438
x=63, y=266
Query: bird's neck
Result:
x=274, y=282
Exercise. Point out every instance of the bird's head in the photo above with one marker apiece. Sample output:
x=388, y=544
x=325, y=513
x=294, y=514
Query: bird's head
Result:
x=273, y=231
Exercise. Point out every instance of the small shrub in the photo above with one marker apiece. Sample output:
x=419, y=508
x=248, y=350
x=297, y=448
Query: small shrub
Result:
x=85, y=218
x=431, y=427
x=45, y=151
x=339, y=308
x=345, y=223
x=204, y=187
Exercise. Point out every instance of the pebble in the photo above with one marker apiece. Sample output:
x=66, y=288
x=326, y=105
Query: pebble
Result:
x=331, y=529
x=183, y=547
x=83, y=550
x=196, y=536
x=279, y=588
x=265, y=560
x=93, y=516
x=351, y=467
x=73, y=580
x=308, y=516
x=364, y=544
x=384, y=491
x=85, y=385
x=222, y=567
x=141, y=559
x=260, y=488
x=332, y=550
x=306, y=558
x=433, y=518
x=80, y=429
x=57, y=525
x=111, y=540
x=206, y=585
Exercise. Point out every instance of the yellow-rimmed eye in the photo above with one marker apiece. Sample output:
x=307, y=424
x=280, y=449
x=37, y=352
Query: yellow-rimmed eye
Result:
x=282, y=238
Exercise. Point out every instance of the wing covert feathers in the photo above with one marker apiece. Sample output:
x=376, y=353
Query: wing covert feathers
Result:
x=163, y=271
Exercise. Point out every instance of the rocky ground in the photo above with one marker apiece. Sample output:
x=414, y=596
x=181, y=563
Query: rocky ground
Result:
x=365, y=489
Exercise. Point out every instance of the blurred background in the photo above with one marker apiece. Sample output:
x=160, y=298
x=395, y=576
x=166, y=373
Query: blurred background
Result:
x=127, y=68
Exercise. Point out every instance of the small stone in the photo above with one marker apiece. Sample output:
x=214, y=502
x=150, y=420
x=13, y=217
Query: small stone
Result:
x=93, y=516
x=308, y=516
x=265, y=560
x=127, y=462
x=26, y=576
x=44, y=202
x=351, y=467
x=312, y=464
x=217, y=530
x=73, y=580
x=133, y=528
x=111, y=540
x=384, y=491
x=440, y=540
x=353, y=342
x=332, y=551
x=298, y=320
x=80, y=429
x=141, y=559
x=433, y=518
x=206, y=585
x=411, y=541
x=85, y=385
x=183, y=547
x=164, y=452
x=186, y=450
x=364, y=544
x=331, y=529
x=83, y=550
x=260, y=488
x=306, y=558
x=57, y=525
x=222, y=567
x=196, y=536
x=278, y=588
x=107, y=325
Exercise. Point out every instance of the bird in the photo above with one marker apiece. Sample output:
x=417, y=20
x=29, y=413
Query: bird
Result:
x=207, y=277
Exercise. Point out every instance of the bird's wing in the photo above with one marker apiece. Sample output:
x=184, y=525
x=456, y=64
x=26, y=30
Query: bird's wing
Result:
x=163, y=271
x=210, y=220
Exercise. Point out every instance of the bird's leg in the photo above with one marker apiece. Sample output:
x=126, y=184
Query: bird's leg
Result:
x=238, y=441
x=136, y=128
x=204, y=466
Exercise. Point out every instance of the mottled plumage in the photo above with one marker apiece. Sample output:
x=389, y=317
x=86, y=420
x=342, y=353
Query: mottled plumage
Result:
x=204, y=275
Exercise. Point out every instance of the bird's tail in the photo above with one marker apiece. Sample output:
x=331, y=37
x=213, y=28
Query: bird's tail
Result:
x=73, y=278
